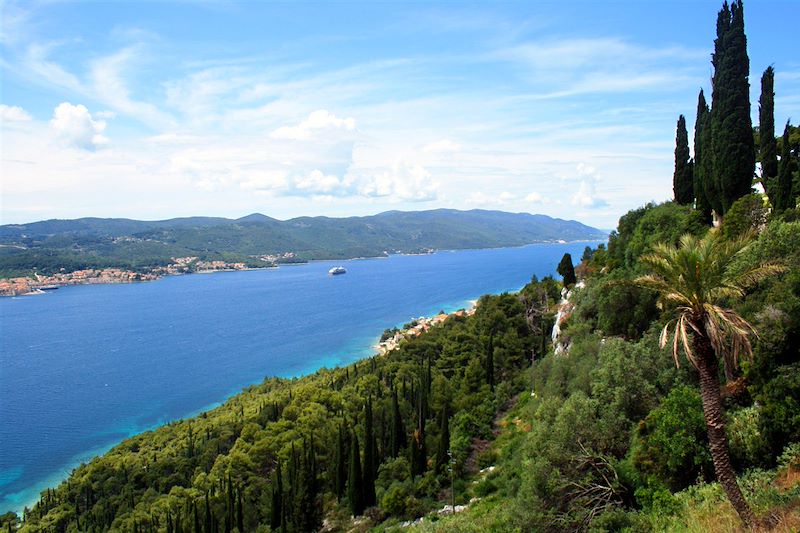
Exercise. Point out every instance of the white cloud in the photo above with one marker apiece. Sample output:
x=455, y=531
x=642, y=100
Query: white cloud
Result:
x=442, y=146
x=482, y=199
x=317, y=122
x=402, y=183
x=586, y=195
x=75, y=125
x=317, y=182
x=505, y=197
x=12, y=113
x=535, y=198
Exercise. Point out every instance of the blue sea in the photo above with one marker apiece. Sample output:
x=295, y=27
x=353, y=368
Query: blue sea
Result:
x=84, y=367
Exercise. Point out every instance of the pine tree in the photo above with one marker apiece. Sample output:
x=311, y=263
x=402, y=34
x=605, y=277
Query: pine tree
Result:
x=370, y=467
x=355, y=493
x=767, y=145
x=567, y=270
x=682, y=185
x=731, y=127
x=783, y=187
x=703, y=172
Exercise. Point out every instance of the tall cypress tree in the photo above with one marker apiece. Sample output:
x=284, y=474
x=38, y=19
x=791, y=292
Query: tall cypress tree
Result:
x=767, y=145
x=306, y=513
x=442, y=456
x=340, y=474
x=783, y=187
x=355, y=493
x=682, y=185
x=419, y=451
x=704, y=186
x=277, y=499
x=398, y=430
x=731, y=127
x=369, y=469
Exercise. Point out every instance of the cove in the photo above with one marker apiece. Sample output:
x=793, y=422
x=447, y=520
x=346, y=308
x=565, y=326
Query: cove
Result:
x=84, y=367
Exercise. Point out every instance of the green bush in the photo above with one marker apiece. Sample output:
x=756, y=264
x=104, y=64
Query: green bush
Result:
x=671, y=443
x=396, y=500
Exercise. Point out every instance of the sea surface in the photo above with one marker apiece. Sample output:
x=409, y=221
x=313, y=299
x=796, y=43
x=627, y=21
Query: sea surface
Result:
x=83, y=367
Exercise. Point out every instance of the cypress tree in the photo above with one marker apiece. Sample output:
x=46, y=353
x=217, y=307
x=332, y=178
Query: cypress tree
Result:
x=703, y=173
x=208, y=515
x=239, y=511
x=197, y=528
x=731, y=127
x=340, y=474
x=305, y=501
x=767, y=145
x=490, y=362
x=682, y=185
x=355, y=493
x=419, y=452
x=783, y=187
x=567, y=270
x=369, y=470
x=442, y=456
x=398, y=430
x=277, y=499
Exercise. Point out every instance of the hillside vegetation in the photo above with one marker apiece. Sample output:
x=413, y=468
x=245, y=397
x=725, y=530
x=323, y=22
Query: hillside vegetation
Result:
x=613, y=437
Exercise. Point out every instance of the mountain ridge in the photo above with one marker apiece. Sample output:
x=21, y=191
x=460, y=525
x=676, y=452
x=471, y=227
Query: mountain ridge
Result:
x=51, y=245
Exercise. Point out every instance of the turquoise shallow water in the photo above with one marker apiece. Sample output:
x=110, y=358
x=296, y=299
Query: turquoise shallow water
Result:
x=81, y=368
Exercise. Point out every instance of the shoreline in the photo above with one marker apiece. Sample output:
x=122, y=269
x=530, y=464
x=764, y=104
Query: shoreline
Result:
x=137, y=277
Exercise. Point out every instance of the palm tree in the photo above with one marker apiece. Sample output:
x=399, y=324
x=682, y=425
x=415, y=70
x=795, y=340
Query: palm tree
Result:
x=695, y=278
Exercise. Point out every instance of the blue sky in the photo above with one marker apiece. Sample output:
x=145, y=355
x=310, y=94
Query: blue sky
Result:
x=160, y=109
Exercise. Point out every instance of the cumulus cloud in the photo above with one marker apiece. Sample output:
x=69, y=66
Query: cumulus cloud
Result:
x=586, y=196
x=12, y=113
x=442, y=146
x=409, y=183
x=317, y=182
x=317, y=122
x=75, y=125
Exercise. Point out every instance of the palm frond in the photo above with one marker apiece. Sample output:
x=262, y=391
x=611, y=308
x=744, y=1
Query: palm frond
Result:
x=694, y=278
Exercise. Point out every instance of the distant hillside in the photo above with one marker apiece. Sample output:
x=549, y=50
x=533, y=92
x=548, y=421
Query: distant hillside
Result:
x=51, y=245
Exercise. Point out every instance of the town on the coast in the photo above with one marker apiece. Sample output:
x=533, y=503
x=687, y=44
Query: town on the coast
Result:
x=38, y=283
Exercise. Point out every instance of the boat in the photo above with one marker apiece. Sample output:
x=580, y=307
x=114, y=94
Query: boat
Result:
x=47, y=287
x=337, y=270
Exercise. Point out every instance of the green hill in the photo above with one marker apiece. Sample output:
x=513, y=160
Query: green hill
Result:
x=93, y=242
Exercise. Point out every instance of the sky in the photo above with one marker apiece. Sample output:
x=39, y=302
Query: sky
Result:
x=153, y=110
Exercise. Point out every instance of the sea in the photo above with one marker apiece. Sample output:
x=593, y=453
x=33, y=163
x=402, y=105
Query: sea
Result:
x=84, y=367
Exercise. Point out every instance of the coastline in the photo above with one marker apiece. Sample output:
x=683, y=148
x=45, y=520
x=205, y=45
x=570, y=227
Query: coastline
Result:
x=28, y=286
x=361, y=346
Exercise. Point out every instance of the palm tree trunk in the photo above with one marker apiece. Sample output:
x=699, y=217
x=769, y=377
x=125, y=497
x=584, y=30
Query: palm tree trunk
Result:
x=708, y=368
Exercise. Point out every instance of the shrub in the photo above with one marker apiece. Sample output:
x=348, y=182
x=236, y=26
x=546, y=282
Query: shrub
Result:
x=671, y=442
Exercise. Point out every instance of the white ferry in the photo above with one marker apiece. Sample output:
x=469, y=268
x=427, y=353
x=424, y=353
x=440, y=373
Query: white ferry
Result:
x=337, y=270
